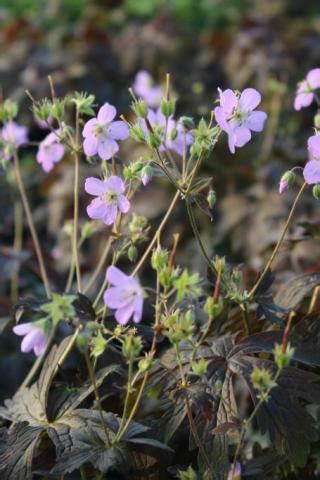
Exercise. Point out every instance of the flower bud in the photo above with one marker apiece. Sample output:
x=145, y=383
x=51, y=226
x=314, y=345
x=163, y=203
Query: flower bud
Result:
x=145, y=364
x=287, y=180
x=199, y=367
x=146, y=175
x=153, y=140
x=187, y=122
x=82, y=343
x=8, y=110
x=261, y=379
x=173, y=134
x=159, y=259
x=138, y=224
x=213, y=309
x=316, y=191
x=281, y=358
x=57, y=109
x=316, y=120
x=167, y=107
x=131, y=347
x=189, y=474
x=137, y=133
x=140, y=108
x=211, y=198
x=132, y=253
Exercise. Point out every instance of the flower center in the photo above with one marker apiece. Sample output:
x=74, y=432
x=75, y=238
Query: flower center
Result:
x=111, y=196
x=99, y=130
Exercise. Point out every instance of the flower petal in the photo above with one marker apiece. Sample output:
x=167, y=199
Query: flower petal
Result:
x=303, y=100
x=255, y=121
x=90, y=146
x=95, y=186
x=89, y=127
x=228, y=101
x=314, y=147
x=97, y=209
x=107, y=148
x=242, y=136
x=249, y=99
x=40, y=346
x=116, y=184
x=116, y=297
x=138, y=307
x=118, y=130
x=29, y=340
x=123, y=204
x=110, y=214
x=221, y=118
x=311, y=172
x=123, y=315
x=115, y=276
x=313, y=78
x=106, y=113
x=23, y=328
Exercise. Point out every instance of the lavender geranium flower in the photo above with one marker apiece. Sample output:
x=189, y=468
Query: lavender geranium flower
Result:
x=144, y=87
x=110, y=198
x=305, y=92
x=100, y=133
x=311, y=171
x=125, y=296
x=177, y=138
x=12, y=137
x=34, y=338
x=50, y=151
x=236, y=116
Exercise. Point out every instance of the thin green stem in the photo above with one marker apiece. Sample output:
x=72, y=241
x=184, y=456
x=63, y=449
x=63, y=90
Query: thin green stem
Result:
x=158, y=232
x=30, y=221
x=126, y=402
x=75, y=252
x=279, y=243
x=17, y=247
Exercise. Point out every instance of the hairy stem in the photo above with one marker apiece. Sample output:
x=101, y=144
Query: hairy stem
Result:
x=30, y=221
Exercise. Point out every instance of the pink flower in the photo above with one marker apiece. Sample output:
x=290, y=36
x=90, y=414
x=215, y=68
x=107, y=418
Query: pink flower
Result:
x=236, y=116
x=50, y=151
x=311, y=171
x=34, y=338
x=100, y=133
x=144, y=88
x=110, y=198
x=12, y=136
x=305, y=92
x=177, y=138
x=125, y=296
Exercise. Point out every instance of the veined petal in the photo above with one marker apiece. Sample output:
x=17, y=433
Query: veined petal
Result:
x=110, y=213
x=97, y=209
x=138, y=307
x=23, y=328
x=107, y=148
x=95, y=186
x=115, y=276
x=303, y=100
x=311, y=172
x=106, y=113
x=255, y=121
x=118, y=130
x=228, y=101
x=115, y=183
x=123, y=315
x=89, y=127
x=313, y=78
x=90, y=146
x=123, y=204
x=249, y=99
x=242, y=136
x=314, y=147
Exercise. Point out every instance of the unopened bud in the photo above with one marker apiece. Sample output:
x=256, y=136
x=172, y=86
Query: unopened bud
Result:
x=287, y=180
x=167, y=107
x=140, y=108
x=316, y=191
x=211, y=198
